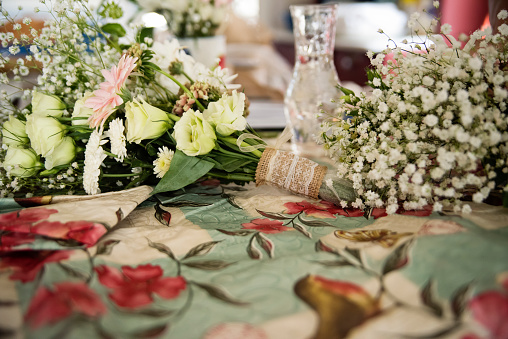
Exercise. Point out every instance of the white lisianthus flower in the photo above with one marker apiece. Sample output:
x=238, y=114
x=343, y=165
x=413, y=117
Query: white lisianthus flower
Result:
x=81, y=111
x=45, y=133
x=47, y=105
x=163, y=161
x=116, y=136
x=14, y=132
x=62, y=154
x=145, y=121
x=226, y=114
x=193, y=134
x=21, y=162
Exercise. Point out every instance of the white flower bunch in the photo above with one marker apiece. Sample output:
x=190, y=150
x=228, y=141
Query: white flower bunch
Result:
x=189, y=18
x=434, y=127
x=88, y=100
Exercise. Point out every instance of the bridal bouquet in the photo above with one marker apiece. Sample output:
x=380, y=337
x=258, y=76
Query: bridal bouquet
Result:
x=109, y=111
x=434, y=128
x=189, y=18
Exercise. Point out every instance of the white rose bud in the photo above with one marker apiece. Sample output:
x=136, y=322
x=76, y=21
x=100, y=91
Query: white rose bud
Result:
x=47, y=105
x=226, y=114
x=80, y=111
x=44, y=133
x=62, y=154
x=23, y=162
x=14, y=133
x=145, y=121
x=194, y=135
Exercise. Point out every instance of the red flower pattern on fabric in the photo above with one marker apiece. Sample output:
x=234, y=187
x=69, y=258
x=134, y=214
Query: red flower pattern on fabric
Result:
x=134, y=287
x=320, y=210
x=491, y=310
x=20, y=221
x=266, y=226
x=32, y=221
x=85, y=232
x=52, y=305
x=323, y=209
x=27, y=264
x=10, y=240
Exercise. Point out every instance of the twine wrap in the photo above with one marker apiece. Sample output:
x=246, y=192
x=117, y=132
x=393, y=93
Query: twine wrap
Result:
x=290, y=172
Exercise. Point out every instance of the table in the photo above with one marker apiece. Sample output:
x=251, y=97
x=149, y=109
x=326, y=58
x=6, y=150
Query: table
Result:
x=227, y=261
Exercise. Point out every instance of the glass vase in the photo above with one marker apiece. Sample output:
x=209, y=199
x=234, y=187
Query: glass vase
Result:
x=314, y=80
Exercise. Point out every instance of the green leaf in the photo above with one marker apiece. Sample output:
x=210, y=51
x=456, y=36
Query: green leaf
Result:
x=314, y=223
x=345, y=90
x=355, y=253
x=429, y=300
x=106, y=247
x=208, y=265
x=241, y=233
x=252, y=251
x=185, y=203
x=398, y=258
x=459, y=300
x=231, y=164
x=201, y=249
x=162, y=248
x=145, y=32
x=276, y=216
x=184, y=170
x=334, y=263
x=219, y=293
x=303, y=230
x=114, y=29
x=72, y=272
x=265, y=243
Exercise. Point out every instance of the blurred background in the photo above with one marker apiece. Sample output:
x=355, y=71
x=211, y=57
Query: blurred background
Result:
x=260, y=43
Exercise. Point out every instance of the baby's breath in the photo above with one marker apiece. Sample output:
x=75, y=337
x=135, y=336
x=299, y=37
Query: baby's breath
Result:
x=434, y=127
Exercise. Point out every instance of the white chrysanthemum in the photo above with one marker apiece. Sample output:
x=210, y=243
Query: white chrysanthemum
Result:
x=163, y=161
x=94, y=156
x=116, y=136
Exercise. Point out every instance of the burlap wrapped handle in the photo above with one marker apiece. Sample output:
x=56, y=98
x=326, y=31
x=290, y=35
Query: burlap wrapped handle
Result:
x=290, y=172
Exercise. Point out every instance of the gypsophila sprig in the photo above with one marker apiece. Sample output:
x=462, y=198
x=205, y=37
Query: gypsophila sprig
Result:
x=433, y=130
x=189, y=18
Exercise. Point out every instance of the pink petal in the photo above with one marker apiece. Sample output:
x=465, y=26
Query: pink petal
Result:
x=142, y=272
x=46, y=308
x=109, y=276
x=169, y=287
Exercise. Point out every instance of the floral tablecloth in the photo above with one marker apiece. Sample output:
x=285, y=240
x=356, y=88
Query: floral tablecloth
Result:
x=224, y=261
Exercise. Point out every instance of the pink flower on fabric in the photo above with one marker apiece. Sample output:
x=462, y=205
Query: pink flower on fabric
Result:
x=106, y=99
x=235, y=331
x=85, y=232
x=133, y=287
x=321, y=210
x=52, y=305
x=491, y=310
x=10, y=240
x=27, y=264
x=266, y=226
x=438, y=226
x=20, y=221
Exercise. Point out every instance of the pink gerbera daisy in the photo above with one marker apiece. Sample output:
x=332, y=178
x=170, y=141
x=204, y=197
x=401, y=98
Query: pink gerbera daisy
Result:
x=107, y=98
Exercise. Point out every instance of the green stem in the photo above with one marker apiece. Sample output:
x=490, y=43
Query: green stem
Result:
x=125, y=175
x=185, y=89
x=174, y=117
x=188, y=77
x=232, y=176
